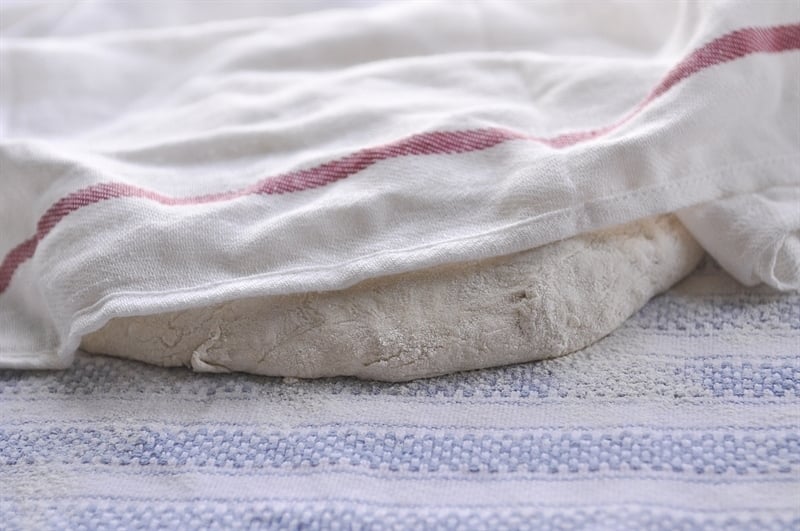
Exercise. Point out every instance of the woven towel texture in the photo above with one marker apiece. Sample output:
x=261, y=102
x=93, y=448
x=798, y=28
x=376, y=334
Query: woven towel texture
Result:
x=686, y=417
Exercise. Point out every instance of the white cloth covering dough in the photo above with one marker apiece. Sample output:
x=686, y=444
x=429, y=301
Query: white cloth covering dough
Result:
x=531, y=305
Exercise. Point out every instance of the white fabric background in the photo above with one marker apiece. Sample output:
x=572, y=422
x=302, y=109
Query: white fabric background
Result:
x=188, y=104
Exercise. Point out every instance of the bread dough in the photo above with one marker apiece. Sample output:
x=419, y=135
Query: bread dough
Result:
x=531, y=305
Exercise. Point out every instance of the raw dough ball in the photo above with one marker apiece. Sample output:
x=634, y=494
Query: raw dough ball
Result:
x=532, y=305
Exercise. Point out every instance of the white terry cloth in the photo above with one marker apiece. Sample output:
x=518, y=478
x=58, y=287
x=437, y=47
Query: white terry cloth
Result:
x=155, y=168
x=756, y=237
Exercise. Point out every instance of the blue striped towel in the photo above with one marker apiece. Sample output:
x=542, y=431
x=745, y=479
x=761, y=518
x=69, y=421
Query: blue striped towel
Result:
x=686, y=417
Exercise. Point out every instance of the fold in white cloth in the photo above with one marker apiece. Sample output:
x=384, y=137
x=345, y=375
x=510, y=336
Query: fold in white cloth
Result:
x=755, y=237
x=154, y=159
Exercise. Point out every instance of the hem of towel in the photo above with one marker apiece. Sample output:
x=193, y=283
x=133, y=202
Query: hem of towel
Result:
x=94, y=317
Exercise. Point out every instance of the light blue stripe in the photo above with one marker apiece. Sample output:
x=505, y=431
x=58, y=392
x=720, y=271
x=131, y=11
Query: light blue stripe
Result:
x=701, y=315
x=698, y=453
x=750, y=379
x=211, y=515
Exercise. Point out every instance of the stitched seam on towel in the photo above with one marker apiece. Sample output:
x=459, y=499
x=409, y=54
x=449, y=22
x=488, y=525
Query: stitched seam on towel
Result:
x=11, y=352
x=645, y=192
x=726, y=48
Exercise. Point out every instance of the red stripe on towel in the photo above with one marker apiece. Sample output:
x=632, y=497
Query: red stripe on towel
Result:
x=727, y=48
x=422, y=144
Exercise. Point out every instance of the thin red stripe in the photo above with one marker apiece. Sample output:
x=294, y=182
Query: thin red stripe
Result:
x=727, y=48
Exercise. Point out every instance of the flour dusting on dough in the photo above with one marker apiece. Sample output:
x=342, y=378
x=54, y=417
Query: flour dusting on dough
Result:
x=532, y=305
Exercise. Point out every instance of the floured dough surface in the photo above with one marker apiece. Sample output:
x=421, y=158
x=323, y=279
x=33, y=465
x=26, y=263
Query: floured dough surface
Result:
x=532, y=305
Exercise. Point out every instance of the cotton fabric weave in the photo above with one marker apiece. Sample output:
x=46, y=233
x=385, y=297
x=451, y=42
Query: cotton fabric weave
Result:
x=156, y=164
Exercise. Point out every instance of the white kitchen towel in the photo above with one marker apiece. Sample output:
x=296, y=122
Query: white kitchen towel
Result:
x=156, y=167
x=756, y=237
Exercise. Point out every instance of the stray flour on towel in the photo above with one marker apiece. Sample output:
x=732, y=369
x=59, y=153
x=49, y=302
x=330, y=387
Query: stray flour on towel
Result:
x=531, y=305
